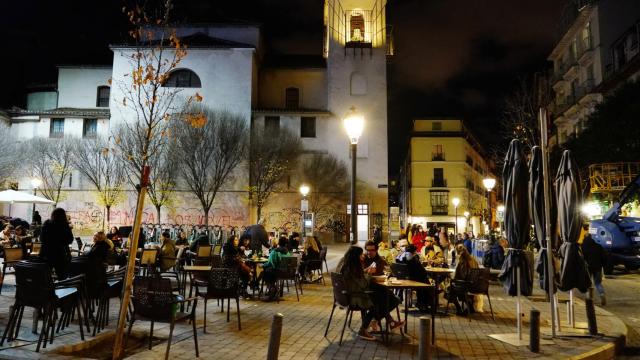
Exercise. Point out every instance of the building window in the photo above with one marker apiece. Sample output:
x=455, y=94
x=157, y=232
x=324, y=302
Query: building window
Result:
x=437, y=153
x=292, y=98
x=271, y=125
x=183, y=78
x=438, y=178
x=308, y=127
x=103, y=96
x=57, y=128
x=363, y=209
x=357, y=27
x=586, y=36
x=90, y=128
x=436, y=126
x=440, y=203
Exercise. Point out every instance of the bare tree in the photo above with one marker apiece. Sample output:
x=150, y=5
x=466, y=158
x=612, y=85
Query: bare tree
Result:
x=51, y=161
x=10, y=157
x=328, y=178
x=163, y=177
x=99, y=164
x=209, y=153
x=272, y=156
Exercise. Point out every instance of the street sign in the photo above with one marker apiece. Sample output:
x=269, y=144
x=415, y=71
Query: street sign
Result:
x=304, y=205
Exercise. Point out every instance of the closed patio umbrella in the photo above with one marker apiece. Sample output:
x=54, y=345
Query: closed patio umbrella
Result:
x=573, y=271
x=515, y=273
x=537, y=209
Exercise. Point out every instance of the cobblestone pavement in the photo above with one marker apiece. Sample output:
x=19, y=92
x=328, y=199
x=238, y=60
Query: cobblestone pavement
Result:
x=304, y=326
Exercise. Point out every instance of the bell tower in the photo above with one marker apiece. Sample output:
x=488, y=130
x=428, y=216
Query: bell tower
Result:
x=355, y=48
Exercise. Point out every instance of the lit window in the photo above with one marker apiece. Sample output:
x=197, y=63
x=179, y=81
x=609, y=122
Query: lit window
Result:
x=308, y=127
x=57, y=128
x=183, y=78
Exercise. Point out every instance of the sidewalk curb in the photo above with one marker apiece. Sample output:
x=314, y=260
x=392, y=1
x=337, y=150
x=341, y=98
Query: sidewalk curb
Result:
x=611, y=349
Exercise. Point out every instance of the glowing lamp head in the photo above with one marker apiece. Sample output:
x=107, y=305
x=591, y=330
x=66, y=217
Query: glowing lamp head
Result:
x=455, y=202
x=353, y=123
x=489, y=183
x=304, y=190
x=35, y=183
x=501, y=208
x=466, y=214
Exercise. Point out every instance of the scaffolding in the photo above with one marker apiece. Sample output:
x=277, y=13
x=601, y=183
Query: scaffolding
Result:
x=612, y=177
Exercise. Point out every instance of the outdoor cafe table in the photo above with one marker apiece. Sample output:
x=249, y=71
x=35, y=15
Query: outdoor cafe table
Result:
x=438, y=274
x=253, y=262
x=404, y=284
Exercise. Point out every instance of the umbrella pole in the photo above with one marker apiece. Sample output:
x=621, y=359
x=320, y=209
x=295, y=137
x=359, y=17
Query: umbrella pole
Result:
x=572, y=322
x=518, y=305
x=547, y=220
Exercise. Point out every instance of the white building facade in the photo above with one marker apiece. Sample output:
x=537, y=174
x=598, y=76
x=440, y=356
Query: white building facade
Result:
x=226, y=66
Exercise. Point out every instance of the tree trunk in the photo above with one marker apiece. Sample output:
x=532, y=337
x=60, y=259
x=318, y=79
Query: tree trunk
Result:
x=259, y=211
x=206, y=215
x=108, y=216
x=158, y=207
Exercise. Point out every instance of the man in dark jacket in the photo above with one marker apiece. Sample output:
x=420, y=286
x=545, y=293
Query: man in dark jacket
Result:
x=259, y=237
x=495, y=256
x=595, y=257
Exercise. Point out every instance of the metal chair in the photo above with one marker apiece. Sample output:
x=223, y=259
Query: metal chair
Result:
x=323, y=257
x=286, y=271
x=154, y=301
x=315, y=267
x=342, y=299
x=217, y=249
x=204, y=252
x=11, y=257
x=148, y=260
x=223, y=285
x=479, y=279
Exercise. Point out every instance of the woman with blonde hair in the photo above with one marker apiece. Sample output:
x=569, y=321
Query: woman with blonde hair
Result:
x=311, y=252
x=466, y=262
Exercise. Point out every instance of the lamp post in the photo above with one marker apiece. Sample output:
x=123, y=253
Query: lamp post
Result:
x=489, y=184
x=304, y=206
x=35, y=183
x=353, y=123
x=456, y=202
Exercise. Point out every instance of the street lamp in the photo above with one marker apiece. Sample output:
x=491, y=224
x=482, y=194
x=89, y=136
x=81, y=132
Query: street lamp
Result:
x=489, y=184
x=304, y=206
x=466, y=225
x=35, y=183
x=456, y=202
x=353, y=123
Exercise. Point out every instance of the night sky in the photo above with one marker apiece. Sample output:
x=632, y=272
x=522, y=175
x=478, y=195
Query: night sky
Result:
x=453, y=57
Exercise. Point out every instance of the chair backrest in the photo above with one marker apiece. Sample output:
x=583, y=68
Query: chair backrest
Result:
x=35, y=247
x=340, y=293
x=80, y=244
x=400, y=271
x=323, y=253
x=204, y=251
x=12, y=254
x=148, y=256
x=217, y=249
x=152, y=297
x=287, y=267
x=479, y=280
x=314, y=265
x=180, y=253
x=34, y=284
x=223, y=282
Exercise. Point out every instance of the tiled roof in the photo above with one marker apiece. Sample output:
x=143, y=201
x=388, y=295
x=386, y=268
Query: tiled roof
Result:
x=198, y=40
x=68, y=112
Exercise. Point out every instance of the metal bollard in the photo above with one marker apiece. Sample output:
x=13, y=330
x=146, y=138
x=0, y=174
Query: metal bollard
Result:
x=591, y=316
x=424, y=345
x=274, y=337
x=534, y=331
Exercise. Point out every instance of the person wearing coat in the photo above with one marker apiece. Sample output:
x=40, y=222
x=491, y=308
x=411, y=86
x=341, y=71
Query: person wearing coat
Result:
x=595, y=258
x=56, y=237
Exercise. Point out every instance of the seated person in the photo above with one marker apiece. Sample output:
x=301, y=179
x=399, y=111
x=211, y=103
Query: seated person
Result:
x=7, y=235
x=114, y=236
x=99, y=250
x=373, y=257
x=416, y=273
x=141, y=242
x=244, y=245
x=269, y=273
x=466, y=262
x=167, y=252
x=294, y=242
x=182, y=239
x=22, y=238
x=375, y=301
x=386, y=253
x=431, y=253
x=495, y=256
x=201, y=240
x=311, y=252
x=231, y=259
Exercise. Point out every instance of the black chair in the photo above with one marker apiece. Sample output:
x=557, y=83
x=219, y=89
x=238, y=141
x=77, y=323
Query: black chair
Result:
x=35, y=288
x=12, y=256
x=96, y=286
x=323, y=257
x=479, y=279
x=223, y=284
x=315, y=267
x=154, y=301
x=342, y=299
x=401, y=271
x=286, y=271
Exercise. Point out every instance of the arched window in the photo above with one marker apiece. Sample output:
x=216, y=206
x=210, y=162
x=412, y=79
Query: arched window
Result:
x=183, y=78
x=292, y=98
x=102, y=99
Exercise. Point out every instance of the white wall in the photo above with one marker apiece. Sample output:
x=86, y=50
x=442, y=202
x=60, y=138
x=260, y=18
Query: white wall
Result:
x=312, y=84
x=78, y=86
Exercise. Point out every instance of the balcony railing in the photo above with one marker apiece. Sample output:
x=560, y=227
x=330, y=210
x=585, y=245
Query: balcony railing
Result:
x=439, y=183
x=437, y=157
x=440, y=210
